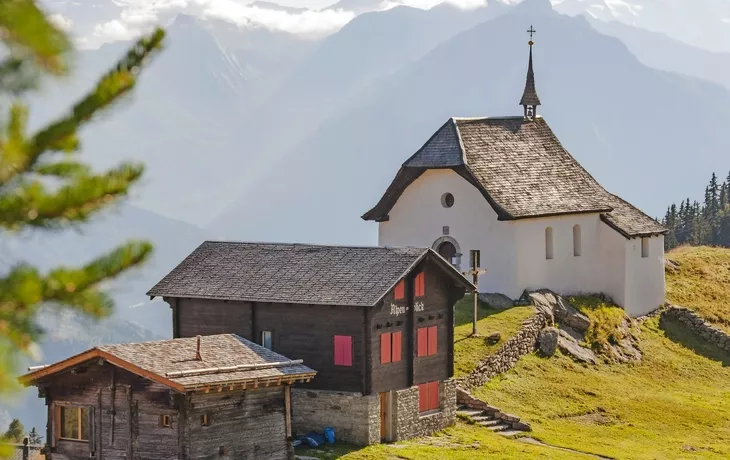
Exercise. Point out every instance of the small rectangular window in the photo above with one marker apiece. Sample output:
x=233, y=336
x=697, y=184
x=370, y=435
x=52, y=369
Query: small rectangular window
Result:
x=343, y=350
x=385, y=351
x=74, y=423
x=645, y=247
x=165, y=421
x=475, y=258
x=549, y=243
x=204, y=420
x=266, y=339
x=420, y=285
x=577, y=243
x=399, y=292
x=428, y=397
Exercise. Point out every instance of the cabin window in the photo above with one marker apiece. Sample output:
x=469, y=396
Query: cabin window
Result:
x=447, y=200
x=74, y=423
x=399, y=292
x=428, y=397
x=645, y=247
x=427, y=341
x=204, y=420
x=343, y=350
x=390, y=347
x=420, y=285
x=165, y=421
x=266, y=339
x=549, y=243
x=576, y=241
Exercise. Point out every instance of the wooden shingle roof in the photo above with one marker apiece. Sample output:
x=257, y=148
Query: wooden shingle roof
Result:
x=294, y=273
x=225, y=359
x=521, y=168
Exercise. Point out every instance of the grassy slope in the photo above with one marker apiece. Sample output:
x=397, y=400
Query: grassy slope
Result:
x=470, y=350
x=674, y=404
x=702, y=282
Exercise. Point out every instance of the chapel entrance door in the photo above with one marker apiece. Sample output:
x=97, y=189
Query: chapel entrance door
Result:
x=447, y=250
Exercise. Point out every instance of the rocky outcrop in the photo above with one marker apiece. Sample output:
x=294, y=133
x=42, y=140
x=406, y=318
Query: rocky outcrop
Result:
x=548, y=341
x=522, y=343
x=698, y=325
x=560, y=309
x=569, y=346
x=497, y=301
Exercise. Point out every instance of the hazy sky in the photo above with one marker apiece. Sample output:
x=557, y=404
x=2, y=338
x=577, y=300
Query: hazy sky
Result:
x=306, y=3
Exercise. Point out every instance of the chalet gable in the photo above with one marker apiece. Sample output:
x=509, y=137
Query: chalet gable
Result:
x=189, y=364
x=296, y=273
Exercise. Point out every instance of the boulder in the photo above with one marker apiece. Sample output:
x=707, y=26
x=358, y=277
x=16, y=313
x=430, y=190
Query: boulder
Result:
x=548, y=341
x=570, y=333
x=497, y=301
x=521, y=426
x=575, y=351
x=493, y=338
x=558, y=308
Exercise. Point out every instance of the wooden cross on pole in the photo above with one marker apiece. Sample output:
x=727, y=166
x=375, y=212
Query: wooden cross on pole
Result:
x=531, y=31
x=475, y=272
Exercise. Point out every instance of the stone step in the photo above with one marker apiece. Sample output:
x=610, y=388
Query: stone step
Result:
x=483, y=418
x=509, y=433
x=487, y=423
x=498, y=427
x=470, y=412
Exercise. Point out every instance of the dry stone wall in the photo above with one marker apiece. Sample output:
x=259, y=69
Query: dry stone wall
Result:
x=354, y=417
x=698, y=325
x=522, y=343
x=411, y=424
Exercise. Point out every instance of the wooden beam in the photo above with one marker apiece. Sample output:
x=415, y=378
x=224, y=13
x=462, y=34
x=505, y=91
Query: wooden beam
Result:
x=287, y=410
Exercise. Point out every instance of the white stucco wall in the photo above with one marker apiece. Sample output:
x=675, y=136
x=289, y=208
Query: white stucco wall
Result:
x=418, y=218
x=644, y=276
x=514, y=252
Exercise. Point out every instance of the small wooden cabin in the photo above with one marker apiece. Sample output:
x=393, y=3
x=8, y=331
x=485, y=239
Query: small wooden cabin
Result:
x=219, y=396
x=372, y=321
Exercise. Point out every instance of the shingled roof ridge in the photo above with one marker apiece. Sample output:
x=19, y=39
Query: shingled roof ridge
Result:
x=312, y=245
x=507, y=117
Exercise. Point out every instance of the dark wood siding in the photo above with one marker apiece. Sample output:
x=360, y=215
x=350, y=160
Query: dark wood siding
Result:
x=307, y=332
x=246, y=424
x=391, y=317
x=435, y=310
x=126, y=411
x=210, y=317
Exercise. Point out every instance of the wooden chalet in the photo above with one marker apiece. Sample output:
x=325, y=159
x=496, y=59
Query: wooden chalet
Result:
x=373, y=321
x=218, y=396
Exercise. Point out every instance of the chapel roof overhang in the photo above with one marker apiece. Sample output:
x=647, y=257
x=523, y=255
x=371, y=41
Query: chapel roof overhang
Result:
x=521, y=169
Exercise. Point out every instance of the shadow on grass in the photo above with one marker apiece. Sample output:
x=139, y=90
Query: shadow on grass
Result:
x=679, y=333
x=464, y=311
x=327, y=451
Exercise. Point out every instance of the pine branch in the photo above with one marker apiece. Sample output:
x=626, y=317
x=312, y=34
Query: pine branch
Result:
x=23, y=25
x=61, y=135
x=32, y=204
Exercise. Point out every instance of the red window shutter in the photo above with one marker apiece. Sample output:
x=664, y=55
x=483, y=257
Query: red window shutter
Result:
x=433, y=396
x=420, y=285
x=397, y=336
x=422, y=341
x=432, y=340
x=338, y=351
x=343, y=350
x=385, y=348
x=423, y=397
x=400, y=290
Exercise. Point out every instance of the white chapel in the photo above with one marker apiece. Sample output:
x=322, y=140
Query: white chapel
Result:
x=506, y=191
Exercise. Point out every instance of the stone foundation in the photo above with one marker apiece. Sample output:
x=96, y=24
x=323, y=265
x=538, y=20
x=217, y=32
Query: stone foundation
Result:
x=354, y=417
x=409, y=423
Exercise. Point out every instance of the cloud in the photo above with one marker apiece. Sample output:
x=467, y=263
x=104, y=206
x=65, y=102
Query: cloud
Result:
x=61, y=21
x=428, y=4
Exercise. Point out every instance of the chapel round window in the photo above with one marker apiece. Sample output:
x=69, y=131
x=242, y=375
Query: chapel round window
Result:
x=447, y=200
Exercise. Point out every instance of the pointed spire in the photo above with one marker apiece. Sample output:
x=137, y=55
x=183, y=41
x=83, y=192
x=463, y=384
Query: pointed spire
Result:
x=530, y=100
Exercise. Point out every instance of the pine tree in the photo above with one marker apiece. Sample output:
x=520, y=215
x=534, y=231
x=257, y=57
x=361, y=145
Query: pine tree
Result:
x=34, y=437
x=44, y=185
x=15, y=432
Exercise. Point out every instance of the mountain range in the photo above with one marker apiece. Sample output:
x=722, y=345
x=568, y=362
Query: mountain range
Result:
x=253, y=133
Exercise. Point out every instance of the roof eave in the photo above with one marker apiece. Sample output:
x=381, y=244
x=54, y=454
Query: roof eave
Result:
x=628, y=235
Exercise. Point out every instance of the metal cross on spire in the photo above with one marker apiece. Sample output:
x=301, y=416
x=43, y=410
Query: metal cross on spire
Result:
x=532, y=32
